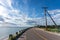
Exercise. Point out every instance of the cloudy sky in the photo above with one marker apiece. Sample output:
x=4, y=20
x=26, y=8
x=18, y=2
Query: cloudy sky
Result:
x=25, y=13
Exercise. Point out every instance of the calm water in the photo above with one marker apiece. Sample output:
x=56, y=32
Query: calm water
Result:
x=7, y=31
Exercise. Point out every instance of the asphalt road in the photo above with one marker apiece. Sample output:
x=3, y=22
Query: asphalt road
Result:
x=37, y=34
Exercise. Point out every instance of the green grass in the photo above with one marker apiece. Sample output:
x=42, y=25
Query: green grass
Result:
x=54, y=30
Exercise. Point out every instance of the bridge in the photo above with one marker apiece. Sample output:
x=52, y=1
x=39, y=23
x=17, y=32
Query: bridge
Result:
x=38, y=34
x=35, y=33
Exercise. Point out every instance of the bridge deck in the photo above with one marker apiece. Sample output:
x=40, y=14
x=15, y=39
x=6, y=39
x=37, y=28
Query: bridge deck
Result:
x=37, y=34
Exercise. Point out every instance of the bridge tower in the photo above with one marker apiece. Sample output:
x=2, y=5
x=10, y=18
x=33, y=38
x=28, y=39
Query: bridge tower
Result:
x=45, y=13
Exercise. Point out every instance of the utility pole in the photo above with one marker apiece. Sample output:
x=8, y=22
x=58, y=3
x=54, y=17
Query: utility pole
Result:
x=45, y=11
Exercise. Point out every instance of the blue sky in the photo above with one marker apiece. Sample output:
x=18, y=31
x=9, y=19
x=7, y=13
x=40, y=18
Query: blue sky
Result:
x=28, y=6
x=28, y=12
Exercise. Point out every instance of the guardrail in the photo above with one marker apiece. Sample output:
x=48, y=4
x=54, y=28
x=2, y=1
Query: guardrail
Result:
x=18, y=34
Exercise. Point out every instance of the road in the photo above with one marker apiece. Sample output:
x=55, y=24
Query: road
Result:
x=37, y=34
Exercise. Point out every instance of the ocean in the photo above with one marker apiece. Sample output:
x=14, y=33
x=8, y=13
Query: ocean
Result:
x=4, y=31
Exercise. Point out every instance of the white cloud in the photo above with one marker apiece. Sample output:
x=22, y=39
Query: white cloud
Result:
x=3, y=11
x=13, y=15
x=55, y=15
x=54, y=11
x=20, y=18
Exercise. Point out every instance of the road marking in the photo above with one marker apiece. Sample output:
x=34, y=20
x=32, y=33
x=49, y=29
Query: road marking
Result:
x=40, y=35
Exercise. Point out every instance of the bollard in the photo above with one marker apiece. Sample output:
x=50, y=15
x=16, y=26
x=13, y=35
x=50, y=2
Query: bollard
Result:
x=10, y=37
x=16, y=33
x=20, y=32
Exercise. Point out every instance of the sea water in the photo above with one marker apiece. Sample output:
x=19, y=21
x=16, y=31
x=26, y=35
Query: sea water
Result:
x=5, y=31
